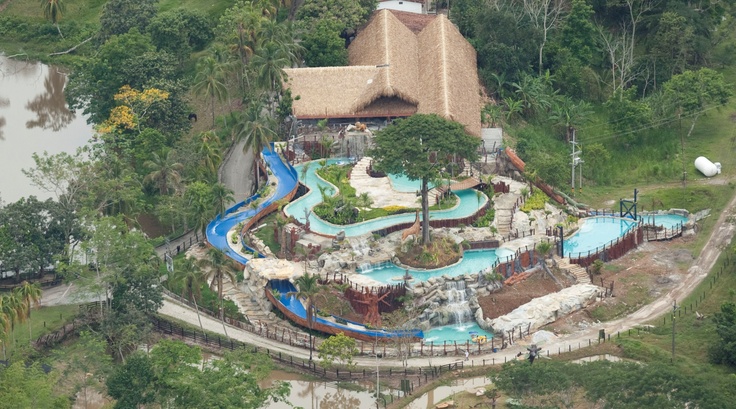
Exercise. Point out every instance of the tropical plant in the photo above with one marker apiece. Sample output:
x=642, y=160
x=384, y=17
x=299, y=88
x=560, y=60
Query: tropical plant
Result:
x=208, y=149
x=221, y=196
x=30, y=295
x=307, y=289
x=217, y=266
x=258, y=131
x=190, y=277
x=210, y=81
x=53, y=10
x=165, y=171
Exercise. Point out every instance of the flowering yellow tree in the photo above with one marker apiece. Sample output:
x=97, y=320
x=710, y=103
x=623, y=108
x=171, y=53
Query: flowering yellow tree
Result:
x=133, y=108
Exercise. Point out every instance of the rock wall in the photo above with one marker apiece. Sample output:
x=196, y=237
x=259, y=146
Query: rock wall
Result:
x=442, y=305
x=542, y=310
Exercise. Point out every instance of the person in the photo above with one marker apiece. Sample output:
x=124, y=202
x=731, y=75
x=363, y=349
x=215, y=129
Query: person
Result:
x=467, y=354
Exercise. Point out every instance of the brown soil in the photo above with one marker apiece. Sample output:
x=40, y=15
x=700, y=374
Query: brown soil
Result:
x=511, y=297
x=639, y=277
x=441, y=252
x=332, y=301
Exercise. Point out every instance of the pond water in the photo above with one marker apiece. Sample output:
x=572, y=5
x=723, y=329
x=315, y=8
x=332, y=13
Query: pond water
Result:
x=316, y=394
x=34, y=117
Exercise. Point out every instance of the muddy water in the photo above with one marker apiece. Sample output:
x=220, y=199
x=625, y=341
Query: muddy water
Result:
x=34, y=117
x=433, y=397
x=318, y=394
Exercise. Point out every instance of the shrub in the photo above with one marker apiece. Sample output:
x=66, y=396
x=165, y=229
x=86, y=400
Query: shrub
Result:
x=535, y=202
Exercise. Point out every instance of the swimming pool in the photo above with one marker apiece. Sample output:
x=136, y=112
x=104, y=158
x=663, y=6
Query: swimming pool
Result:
x=401, y=183
x=595, y=232
x=460, y=333
x=473, y=261
x=468, y=203
x=668, y=221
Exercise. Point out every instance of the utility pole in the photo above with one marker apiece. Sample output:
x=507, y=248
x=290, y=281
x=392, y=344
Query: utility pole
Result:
x=674, y=310
x=575, y=159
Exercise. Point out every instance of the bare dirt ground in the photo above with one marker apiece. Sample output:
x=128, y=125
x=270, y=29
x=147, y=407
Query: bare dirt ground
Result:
x=511, y=297
x=638, y=278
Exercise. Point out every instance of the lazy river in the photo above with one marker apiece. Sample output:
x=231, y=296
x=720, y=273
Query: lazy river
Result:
x=468, y=203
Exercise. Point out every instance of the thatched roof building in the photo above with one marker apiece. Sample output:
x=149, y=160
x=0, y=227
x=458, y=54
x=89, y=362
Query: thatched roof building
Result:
x=400, y=64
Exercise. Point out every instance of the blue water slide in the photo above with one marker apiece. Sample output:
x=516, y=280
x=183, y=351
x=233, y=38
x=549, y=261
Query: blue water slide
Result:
x=217, y=229
x=287, y=290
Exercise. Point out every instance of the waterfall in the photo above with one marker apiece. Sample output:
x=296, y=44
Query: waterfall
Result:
x=457, y=302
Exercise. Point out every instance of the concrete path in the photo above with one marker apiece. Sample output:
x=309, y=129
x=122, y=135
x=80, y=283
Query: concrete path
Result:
x=236, y=172
x=722, y=233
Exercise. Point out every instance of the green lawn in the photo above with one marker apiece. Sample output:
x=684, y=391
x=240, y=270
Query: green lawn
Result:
x=43, y=320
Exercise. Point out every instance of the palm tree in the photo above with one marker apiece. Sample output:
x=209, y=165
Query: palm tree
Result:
x=210, y=81
x=52, y=10
x=30, y=295
x=190, y=277
x=221, y=196
x=208, y=148
x=269, y=62
x=569, y=114
x=201, y=214
x=165, y=171
x=258, y=131
x=307, y=289
x=8, y=316
x=217, y=266
x=15, y=310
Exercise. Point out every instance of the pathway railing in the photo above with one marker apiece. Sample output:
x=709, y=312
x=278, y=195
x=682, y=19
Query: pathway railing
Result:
x=610, y=251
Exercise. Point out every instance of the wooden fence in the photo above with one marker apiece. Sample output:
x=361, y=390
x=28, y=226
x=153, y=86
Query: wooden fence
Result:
x=42, y=284
x=612, y=250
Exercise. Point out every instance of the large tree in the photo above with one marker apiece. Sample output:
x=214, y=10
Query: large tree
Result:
x=724, y=352
x=419, y=147
x=119, y=16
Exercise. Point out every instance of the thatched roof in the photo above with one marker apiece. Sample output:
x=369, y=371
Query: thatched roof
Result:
x=395, y=72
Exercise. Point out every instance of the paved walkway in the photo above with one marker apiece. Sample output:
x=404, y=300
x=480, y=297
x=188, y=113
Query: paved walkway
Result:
x=236, y=173
x=722, y=233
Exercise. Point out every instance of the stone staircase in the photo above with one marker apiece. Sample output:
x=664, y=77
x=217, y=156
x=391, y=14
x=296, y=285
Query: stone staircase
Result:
x=248, y=302
x=581, y=276
x=360, y=170
x=504, y=205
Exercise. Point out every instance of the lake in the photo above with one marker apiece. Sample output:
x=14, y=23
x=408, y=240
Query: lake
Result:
x=34, y=117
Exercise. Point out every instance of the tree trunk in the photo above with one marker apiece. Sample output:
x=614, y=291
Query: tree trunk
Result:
x=30, y=327
x=425, y=211
x=213, y=112
x=258, y=168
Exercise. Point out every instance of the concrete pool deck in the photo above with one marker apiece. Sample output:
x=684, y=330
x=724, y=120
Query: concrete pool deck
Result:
x=380, y=189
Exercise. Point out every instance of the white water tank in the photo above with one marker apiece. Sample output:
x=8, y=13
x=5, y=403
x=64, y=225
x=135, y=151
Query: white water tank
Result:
x=707, y=167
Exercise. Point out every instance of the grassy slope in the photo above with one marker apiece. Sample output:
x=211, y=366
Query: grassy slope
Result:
x=80, y=20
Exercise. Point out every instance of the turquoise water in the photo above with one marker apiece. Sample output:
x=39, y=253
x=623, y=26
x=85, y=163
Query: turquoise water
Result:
x=460, y=333
x=473, y=261
x=595, y=232
x=402, y=183
x=667, y=221
x=468, y=203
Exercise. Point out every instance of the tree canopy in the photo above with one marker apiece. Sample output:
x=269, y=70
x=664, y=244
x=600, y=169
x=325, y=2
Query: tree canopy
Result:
x=420, y=147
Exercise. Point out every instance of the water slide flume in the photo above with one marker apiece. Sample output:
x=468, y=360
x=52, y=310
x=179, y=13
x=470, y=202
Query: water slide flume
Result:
x=217, y=231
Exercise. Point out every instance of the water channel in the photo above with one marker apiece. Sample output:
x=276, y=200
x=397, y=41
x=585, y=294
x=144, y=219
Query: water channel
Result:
x=316, y=394
x=34, y=117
